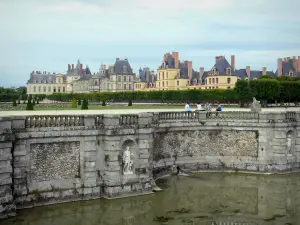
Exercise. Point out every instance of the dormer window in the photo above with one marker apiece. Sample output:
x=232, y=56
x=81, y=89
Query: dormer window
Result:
x=124, y=69
x=214, y=71
x=291, y=73
x=228, y=71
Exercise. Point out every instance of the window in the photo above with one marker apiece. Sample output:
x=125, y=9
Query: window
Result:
x=64, y=90
x=54, y=89
x=163, y=83
x=217, y=80
x=129, y=86
x=49, y=89
x=34, y=89
x=167, y=75
x=44, y=89
x=39, y=89
x=214, y=71
x=125, y=78
x=213, y=80
x=209, y=80
x=228, y=80
x=58, y=89
x=124, y=86
x=119, y=78
x=291, y=73
x=96, y=83
x=129, y=78
x=228, y=87
x=178, y=83
x=167, y=83
x=163, y=75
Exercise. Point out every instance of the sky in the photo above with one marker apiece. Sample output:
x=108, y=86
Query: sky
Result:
x=47, y=35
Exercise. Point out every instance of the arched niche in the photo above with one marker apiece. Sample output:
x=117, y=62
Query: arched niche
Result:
x=129, y=156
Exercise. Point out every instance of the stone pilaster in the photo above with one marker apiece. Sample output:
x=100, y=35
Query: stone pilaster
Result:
x=7, y=205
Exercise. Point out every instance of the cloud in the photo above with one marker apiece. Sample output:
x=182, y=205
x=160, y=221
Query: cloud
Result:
x=49, y=34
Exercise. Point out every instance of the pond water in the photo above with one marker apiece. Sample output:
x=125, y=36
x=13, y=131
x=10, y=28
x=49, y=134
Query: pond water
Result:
x=206, y=198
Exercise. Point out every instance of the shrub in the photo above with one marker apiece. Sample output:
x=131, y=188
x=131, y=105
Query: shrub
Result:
x=79, y=101
x=37, y=101
x=14, y=103
x=130, y=102
x=29, y=105
x=84, y=104
x=33, y=102
x=19, y=101
x=103, y=103
x=74, y=103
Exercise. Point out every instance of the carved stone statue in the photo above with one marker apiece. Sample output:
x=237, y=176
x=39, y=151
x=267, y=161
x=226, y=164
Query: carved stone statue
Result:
x=255, y=106
x=289, y=143
x=127, y=162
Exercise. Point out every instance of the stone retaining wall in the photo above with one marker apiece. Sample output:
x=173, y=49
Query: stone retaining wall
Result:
x=53, y=159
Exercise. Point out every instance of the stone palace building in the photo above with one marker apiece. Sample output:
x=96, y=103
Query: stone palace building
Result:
x=172, y=74
x=117, y=77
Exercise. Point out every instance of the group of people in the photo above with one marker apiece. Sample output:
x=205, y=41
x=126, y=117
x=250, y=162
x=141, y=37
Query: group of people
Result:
x=207, y=108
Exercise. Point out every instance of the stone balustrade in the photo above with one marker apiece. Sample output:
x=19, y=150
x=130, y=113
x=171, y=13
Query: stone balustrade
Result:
x=291, y=116
x=130, y=119
x=54, y=121
x=233, y=115
x=99, y=120
x=178, y=116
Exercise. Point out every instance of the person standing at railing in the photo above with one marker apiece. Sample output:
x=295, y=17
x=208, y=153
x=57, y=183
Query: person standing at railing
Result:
x=199, y=107
x=207, y=109
x=187, y=107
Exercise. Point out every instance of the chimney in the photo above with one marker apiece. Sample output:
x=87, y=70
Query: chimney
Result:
x=298, y=64
x=248, y=71
x=295, y=63
x=147, y=75
x=190, y=69
x=233, y=62
x=279, y=67
x=72, y=66
x=264, y=70
x=69, y=67
x=104, y=66
x=201, y=72
x=175, y=55
x=166, y=56
x=152, y=75
x=217, y=58
x=81, y=68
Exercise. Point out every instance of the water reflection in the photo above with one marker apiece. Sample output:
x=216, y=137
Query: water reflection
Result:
x=203, y=199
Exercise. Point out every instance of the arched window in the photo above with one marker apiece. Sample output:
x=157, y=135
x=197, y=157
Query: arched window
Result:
x=178, y=83
x=213, y=80
x=124, y=86
x=96, y=83
x=228, y=80
x=217, y=80
x=163, y=83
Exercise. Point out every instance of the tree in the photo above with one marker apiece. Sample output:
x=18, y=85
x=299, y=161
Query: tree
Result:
x=130, y=102
x=74, y=103
x=19, y=100
x=84, y=104
x=103, y=103
x=79, y=101
x=33, y=102
x=29, y=104
x=14, y=103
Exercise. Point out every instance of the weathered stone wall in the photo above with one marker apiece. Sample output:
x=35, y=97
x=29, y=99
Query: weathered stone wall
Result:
x=52, y=159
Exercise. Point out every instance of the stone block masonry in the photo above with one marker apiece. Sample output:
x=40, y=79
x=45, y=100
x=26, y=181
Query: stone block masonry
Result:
x=53, y=159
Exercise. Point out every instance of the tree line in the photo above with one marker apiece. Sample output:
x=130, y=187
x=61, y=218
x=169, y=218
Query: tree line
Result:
x=265, y=89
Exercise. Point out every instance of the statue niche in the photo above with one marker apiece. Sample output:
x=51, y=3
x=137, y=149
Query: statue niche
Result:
x=127, y=161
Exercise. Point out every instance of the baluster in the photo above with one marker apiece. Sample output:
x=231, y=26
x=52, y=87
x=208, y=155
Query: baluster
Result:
x=72, y=122
x=32, y=121
x=27, y=122
x=57, y=122
x=42, y=121
x=62, y=121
